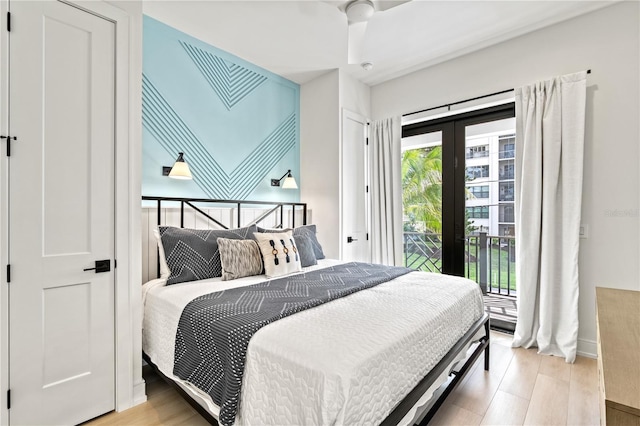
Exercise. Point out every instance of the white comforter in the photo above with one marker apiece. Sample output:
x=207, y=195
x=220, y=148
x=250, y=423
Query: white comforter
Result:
x=349, y=361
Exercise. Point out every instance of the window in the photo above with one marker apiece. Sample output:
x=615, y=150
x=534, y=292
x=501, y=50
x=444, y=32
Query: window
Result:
x=507, y=146
x=506, y=191
x=475, y=172
x=479, y=212
x=477, y=151
x=507, y=171
x=479, y=191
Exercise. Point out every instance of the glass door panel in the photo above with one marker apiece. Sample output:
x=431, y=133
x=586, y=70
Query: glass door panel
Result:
x=489, y=205
x=422, y=201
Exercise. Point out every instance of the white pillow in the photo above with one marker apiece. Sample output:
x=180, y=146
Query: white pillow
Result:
x=165, y=272
x=279, y=253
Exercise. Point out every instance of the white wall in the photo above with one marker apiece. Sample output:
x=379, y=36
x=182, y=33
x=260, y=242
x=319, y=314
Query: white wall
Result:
x=320, y=156
x=355, y=96
x=607, y=42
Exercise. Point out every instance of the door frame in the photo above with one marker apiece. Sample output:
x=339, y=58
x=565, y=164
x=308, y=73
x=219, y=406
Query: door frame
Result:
x=129, y=385
x=453, y=178
x=350, y=115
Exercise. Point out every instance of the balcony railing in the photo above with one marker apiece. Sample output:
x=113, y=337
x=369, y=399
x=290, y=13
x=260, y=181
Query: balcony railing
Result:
x=489, y=260
x=507, y=153
x=507, y=175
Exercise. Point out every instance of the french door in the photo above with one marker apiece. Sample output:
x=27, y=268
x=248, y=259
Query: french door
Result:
x=446, y=243
x=61, y=214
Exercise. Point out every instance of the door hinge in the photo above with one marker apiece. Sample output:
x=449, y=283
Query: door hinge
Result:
x=9, y=399
x=9, y=139
x=8, y=273
x=367, y=141
x=367, y=188
x=9, y=21
x=367, y=236
x=115, y=263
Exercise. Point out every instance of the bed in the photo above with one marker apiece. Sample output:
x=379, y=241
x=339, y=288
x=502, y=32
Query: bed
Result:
x=388, y=354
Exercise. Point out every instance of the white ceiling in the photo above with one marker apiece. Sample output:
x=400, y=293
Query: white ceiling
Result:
x=301, y=40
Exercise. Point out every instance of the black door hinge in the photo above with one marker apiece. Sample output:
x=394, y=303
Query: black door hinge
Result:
x=367, y=236
x=8, y=273
x=367, y=141
x=367, y=188
x=9, y=21
x=9, y=139
x=9, y=399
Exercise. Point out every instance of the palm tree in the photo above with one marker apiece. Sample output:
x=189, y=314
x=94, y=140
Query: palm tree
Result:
x=422, y=188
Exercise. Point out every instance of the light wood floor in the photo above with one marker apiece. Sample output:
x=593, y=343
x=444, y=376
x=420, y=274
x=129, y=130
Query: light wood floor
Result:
x=521, y=388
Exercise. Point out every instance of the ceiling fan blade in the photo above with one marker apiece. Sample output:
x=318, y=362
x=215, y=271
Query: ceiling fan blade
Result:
x=382, y=5
x=356, y=42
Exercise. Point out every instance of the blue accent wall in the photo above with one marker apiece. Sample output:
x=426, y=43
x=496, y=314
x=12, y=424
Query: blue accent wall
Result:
x=238, y=124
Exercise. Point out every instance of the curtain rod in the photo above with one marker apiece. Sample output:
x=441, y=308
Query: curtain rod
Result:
x=448, y=106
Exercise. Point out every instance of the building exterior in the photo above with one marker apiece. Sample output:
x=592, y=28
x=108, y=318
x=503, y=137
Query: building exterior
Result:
x=490, y=173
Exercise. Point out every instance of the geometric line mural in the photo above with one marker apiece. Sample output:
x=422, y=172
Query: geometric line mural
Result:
x=173, y=134
x=230, y=81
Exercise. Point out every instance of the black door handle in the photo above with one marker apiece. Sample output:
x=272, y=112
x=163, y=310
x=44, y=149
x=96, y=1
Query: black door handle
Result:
x=101, y=266
x=351, y=239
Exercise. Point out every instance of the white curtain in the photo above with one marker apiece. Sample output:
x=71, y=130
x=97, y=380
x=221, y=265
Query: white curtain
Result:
x=550, y=125
x=386, y=191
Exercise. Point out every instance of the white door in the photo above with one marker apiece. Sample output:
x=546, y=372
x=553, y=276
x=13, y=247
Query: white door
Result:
x=355, y=204
x=61, y=214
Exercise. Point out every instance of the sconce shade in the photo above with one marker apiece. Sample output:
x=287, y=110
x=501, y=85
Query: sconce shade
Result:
x=180, y=169
x=289, y=183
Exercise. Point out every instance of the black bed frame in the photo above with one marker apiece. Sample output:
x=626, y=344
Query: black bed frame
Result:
x=412, y=397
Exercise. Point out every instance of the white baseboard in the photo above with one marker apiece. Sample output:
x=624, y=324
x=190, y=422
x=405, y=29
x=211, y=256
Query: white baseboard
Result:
x=587, y=348
x=139, y=393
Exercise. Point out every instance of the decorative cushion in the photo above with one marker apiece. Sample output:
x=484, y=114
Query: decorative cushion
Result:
x=310, y=231
x=279, y=253
x=162, y=260
x=305, y=250
x=273, y=230
x=239, y=258
x=193, y=254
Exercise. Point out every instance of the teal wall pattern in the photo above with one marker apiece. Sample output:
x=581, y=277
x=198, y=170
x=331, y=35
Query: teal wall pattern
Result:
x=238, y=124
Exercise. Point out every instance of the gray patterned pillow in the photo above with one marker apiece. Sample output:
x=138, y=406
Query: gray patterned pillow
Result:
x=240, y=258
x=272, y=230
x=310, y=231
x=193, y=254
x=305, y=249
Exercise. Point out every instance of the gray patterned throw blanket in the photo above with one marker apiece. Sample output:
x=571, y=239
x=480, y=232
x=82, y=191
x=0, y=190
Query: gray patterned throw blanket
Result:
x=230, y=318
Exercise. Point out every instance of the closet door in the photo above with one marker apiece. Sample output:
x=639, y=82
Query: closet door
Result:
x=354, y=185
x=61, y=207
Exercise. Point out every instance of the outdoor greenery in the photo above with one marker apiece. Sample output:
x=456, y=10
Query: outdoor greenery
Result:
x=422, y=189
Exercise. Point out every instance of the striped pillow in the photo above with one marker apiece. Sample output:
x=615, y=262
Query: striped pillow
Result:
x=240, y=258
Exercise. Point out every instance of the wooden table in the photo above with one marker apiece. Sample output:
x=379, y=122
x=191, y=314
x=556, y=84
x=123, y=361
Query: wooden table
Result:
x=618, y=318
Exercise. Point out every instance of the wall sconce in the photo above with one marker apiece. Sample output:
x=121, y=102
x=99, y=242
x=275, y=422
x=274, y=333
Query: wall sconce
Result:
x=289, y=181
x=180, y=169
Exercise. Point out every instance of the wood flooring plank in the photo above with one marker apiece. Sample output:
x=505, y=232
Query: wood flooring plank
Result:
x=506, y=409
x=453, y=415
x=556, y=367
x=584, y=406
x=520, y=377
x=477, y=389
x=549, y=402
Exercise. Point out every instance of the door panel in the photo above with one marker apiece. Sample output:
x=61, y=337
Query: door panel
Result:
x=422, y=201
x=454, y=224
x=355, y=245
x=61, y=210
